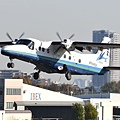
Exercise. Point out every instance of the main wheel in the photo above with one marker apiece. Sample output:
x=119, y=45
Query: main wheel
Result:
x=68, y=76
x=36, y=75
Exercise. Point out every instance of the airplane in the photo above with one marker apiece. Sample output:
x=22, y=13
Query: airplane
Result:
x=63, y=56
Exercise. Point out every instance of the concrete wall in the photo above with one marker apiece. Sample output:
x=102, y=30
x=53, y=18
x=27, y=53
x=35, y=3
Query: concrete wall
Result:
x=18, y=115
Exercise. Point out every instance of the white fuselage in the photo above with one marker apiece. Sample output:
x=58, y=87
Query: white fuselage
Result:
x=44, y=56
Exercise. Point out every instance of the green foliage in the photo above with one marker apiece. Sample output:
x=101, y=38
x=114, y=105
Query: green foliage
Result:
x=90, y=112
x=111, y=87
x=77, y=112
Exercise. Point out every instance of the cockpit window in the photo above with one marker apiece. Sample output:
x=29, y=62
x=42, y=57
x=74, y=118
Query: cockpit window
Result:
x=24, y=42
x=29, y=43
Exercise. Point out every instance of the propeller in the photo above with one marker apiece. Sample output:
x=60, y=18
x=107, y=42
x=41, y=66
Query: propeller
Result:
x=59, y=36
x=62, y=45
x=71, y=36
x=21, y=35
x=8, y=35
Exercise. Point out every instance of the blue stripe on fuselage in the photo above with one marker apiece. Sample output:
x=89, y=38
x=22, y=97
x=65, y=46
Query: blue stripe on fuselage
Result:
x=53, y=62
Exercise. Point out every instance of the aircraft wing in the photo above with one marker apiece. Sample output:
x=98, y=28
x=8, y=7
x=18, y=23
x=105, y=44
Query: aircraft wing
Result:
x=5, y=43
x=89, y=45
x=111, y=68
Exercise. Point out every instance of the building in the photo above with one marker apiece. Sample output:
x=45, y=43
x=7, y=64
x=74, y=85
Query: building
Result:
x=9, y=73
x=15, y=95
x=21, y=101
x=99, y=80
x=107, y=105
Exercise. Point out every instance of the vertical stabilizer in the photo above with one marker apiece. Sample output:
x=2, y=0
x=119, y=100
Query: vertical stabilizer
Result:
x=104, y=55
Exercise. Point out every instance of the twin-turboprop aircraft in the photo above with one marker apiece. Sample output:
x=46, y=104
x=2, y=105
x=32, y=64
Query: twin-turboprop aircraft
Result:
x=60, y=56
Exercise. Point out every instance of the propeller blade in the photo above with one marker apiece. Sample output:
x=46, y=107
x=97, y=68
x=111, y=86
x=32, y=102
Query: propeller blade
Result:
x=57, y=49
x=9, y=37
x=71, y=36
x=21, y=35
x=59, y=36
x=66, y=49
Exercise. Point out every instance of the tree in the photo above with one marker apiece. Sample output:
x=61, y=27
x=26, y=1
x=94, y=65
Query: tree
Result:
x=111, y=87
x=77, y=112
x=90, y=112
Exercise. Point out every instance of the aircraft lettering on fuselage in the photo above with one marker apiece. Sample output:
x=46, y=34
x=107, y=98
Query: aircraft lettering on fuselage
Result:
x=92, y=63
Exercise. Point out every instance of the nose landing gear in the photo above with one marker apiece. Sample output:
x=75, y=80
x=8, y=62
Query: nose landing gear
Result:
x=10, y=65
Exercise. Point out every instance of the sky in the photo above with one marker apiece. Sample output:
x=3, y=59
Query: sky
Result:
x=41, y=19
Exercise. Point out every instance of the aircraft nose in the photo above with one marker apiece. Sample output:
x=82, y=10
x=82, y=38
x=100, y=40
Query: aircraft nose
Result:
x=5, y=50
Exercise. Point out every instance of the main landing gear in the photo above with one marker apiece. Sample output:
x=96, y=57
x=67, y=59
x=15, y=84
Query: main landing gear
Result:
x=67, y=72
x=68, y=75
x=36, y=75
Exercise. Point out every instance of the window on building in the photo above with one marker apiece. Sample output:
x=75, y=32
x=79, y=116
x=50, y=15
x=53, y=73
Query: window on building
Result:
x=9, y=105
x=12, y=91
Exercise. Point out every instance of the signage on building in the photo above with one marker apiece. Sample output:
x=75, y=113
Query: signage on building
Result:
x=35, y=96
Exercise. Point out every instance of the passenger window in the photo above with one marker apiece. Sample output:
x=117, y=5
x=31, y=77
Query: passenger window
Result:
x=69, y=57
x=39, y=48
x=79, y=60
x=43, y=49
x=48, y=51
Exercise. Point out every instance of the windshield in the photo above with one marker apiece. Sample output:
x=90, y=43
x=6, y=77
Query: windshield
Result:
x=29, y=43
x=24, y=42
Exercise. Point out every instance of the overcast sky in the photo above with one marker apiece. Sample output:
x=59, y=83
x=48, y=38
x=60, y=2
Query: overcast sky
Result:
x=41, y=19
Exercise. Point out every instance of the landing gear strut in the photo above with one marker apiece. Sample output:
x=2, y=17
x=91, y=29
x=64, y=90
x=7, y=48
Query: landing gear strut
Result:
x=36, y=75
x=67, y=72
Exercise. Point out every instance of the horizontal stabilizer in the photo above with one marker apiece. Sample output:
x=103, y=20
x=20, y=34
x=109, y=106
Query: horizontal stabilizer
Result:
x=111, y=68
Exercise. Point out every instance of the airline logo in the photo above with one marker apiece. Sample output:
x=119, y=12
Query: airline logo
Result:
x=103, y=55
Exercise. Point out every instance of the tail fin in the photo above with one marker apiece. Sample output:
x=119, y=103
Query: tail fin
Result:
x=104, y=55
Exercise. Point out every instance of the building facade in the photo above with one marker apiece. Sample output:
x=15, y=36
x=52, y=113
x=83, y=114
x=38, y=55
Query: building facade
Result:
x=17, y=97
x=112, y=75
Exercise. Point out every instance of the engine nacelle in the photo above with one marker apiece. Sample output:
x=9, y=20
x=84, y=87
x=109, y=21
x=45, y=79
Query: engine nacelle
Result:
x=67, y=43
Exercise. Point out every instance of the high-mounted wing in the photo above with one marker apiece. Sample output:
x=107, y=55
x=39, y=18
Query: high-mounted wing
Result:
x=89, y=45
x=71, y=45
x=6, y=43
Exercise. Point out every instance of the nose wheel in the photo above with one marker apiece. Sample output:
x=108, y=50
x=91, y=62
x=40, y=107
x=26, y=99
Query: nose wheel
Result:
x=10, y=65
